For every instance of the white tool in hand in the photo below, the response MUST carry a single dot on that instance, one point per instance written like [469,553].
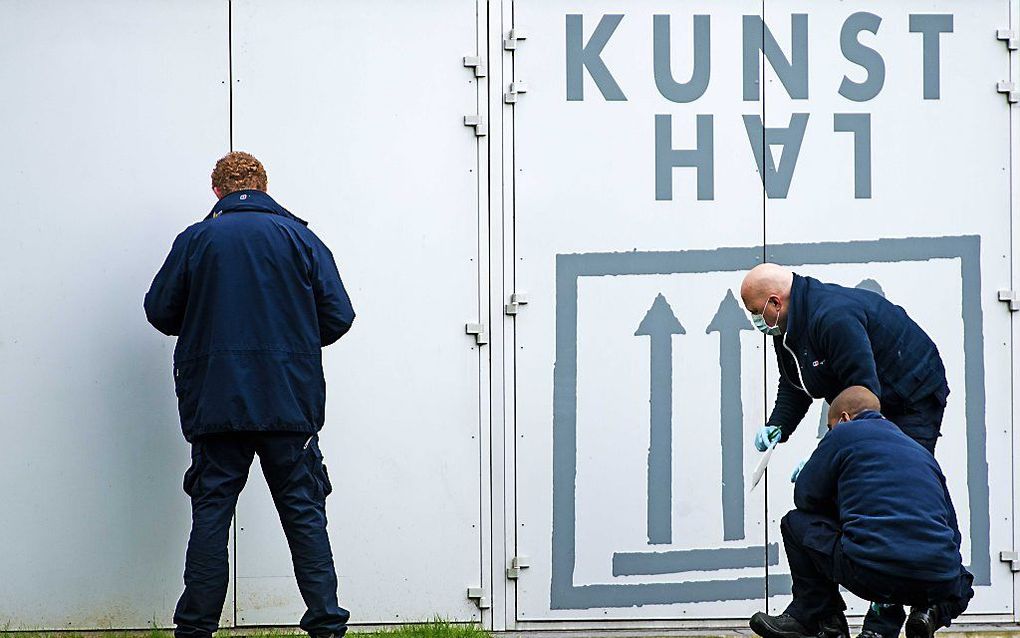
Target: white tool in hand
[762,464]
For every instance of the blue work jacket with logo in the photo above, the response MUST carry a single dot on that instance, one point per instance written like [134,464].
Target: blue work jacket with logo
[254,296]
[839,337]
[889,496]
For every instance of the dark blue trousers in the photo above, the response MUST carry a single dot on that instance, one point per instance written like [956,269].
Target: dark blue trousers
[818,567]
[297,478]
[921,420]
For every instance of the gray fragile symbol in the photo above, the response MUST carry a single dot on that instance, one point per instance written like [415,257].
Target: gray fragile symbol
[565,593]
[729,321]
[660,324]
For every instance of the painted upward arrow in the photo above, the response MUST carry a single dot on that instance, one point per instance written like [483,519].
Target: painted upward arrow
[729,321]
[660,324]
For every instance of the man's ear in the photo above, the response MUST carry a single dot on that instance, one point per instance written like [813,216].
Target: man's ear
[216,191]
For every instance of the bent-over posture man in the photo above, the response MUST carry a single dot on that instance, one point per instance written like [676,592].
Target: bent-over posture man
[873,515]
[254,296]
[828,338]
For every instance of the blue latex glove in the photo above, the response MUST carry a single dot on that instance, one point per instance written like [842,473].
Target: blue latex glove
[764,438]
[796,471]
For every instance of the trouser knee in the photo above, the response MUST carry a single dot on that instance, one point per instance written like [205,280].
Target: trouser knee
[791,526]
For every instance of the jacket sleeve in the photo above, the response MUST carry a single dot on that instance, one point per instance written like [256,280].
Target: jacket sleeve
[951,516]
[791,406]
[815,490]
[166,301]
[332,305]
[844,340]
[792,403]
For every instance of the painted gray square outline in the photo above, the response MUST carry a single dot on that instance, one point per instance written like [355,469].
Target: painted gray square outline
[570,267]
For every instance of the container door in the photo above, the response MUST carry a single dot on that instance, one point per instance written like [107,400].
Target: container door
[357,110]
[891,171]
[637,208]
[112,117]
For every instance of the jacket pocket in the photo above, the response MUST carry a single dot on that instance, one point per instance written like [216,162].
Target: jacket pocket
[188,379]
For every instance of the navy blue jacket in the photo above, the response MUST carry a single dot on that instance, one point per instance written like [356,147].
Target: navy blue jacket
[839,337]
[254,296]
[889,496]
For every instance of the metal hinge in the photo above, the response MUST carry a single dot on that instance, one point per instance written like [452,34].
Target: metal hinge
[477,594]
[1013,559]
[517,300]
[513,39]
[516,565]
[516,88]
[1009,90]
[1009,37]
[476,63]
[478,122]
[1010,297]
[479,331]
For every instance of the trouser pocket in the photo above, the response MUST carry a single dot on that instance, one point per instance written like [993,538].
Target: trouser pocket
[318,468]
[191,476]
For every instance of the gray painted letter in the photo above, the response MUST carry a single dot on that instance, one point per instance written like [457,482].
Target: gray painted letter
[863,56]
[666,158]
[668,87]
[860,125]
[930,25]
[777,181]
[793,73]
[589,56]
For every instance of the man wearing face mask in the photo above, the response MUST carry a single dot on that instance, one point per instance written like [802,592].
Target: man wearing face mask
[828,338]
[855,525]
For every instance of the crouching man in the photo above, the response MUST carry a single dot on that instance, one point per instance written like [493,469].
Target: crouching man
[873,515]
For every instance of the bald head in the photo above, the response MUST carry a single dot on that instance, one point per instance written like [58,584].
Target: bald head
[851,402]
[766,291]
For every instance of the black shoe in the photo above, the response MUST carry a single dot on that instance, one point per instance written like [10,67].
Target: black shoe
[922,622]
[834,626]
[783,626]
[867,633]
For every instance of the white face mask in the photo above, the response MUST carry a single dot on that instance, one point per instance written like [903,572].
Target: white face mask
[763,326]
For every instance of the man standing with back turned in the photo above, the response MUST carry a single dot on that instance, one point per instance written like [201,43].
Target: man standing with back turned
[254,296]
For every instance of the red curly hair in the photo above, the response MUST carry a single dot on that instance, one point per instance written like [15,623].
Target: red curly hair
[238,171]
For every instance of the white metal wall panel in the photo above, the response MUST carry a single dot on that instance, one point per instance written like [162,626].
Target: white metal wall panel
[930,227]
[118,109]
[112,116]
[632,316]
[357,109]
[1014,114]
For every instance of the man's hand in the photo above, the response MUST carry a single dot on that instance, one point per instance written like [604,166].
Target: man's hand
[766,436]
[796,471]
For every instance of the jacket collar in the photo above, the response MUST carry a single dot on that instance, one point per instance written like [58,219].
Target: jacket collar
[250,201]
[796,316]
[868,414]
